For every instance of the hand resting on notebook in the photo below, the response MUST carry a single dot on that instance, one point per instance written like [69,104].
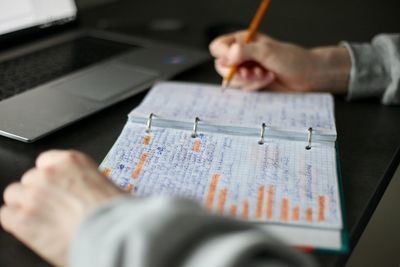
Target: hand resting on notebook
[46,207]
[48,211]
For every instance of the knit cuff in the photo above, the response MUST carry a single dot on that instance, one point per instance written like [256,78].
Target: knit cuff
[368,77]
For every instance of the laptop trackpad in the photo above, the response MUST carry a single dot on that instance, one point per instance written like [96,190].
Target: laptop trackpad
[103,82]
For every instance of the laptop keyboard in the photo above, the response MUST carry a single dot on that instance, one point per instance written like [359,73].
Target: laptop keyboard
[23,73]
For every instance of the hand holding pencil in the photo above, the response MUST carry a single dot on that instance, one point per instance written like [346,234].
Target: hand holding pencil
[254,61]
[252,31]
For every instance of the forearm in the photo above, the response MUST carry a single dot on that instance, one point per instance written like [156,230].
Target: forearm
[173,232]
[331,69]
[361,70]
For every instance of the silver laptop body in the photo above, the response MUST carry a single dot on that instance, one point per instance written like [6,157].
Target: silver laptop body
[47,107]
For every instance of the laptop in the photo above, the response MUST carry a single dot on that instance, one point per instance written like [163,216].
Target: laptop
[53,73]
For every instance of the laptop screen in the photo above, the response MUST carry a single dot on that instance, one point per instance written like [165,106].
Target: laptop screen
[17,15]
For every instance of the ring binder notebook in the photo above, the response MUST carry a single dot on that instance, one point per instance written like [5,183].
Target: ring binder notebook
[308,147]
[249,162]
[263,126]
[195,125]
[149,123]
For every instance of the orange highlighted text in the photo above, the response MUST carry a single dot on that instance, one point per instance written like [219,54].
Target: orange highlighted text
[140,165]
[107,172]
[211,192]
[270,202]
[222,200]
[197,145]
[260,202]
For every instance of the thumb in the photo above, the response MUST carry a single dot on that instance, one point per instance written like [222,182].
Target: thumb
[258,52]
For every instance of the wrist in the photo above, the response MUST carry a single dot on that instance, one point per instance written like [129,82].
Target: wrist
[331,69]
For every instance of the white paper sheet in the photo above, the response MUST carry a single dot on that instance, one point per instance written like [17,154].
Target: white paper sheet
[280,111]
[279,181]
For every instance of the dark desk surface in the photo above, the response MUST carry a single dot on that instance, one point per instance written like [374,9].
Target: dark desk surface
[368,133]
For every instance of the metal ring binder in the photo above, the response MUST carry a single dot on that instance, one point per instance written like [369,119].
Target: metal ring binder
[263,126]
[195,125]
[149,122]
[308,147]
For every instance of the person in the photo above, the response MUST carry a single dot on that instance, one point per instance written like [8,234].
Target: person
[71,215]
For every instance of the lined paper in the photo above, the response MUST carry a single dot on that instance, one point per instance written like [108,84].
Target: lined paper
[279,182]
[290,112]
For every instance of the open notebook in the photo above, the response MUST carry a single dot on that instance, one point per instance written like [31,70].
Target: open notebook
[268,158]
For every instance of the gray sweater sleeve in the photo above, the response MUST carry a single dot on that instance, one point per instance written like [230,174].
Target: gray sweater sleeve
[376,69]
[162,232]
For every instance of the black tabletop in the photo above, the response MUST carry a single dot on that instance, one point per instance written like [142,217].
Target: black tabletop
[368,132]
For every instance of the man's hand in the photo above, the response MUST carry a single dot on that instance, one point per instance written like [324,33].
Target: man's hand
[46,207]
[266,63]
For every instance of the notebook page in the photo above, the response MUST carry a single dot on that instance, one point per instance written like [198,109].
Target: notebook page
[278,182]
[290,112]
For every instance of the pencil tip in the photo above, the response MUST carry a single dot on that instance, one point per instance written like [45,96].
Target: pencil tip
[225,84]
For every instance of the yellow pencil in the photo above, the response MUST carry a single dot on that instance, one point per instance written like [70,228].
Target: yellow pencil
[251,32]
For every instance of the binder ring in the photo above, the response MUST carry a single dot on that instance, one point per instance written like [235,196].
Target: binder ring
[195,125]
[308,147]
[149,122]
[263,126]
